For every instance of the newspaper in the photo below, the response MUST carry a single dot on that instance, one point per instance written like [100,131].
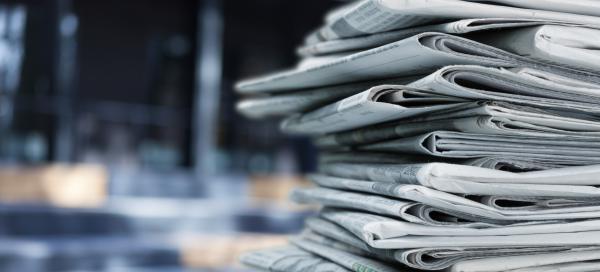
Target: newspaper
[333,231]
[375,16]
[385,233]
[517,203]
[476,117]
[586,7]
[587,266]
[470,180]
[314,47]
[515,164]
[442,258]
[510,85]
[376,105]
[493,209]
[529,262]
[310,235]
[448,85]
[323,231]
[343,258]
[288,259]
[306,100]
[560,149]
[497,163]
[417,55]
[570,46]
[409,211]
[381,228]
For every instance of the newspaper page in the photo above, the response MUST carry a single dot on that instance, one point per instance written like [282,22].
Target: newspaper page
[492,125]
[315,47]
[405,210]
[449,144]
[289,259]
[486,83]
[417,55]
[469,180]
[511,263]
[306,100]
[586,7]
[385,233]
[435,258]
[312,236]
[514,165]
[575,47]
[412,173]
[476,117]
[443,258]
[350,261]
[376,105]
[387,228]
[436,92]
[333,231]
[524,203]
[586,266]
[420,54]
[485,208]
[375,16]
[339,155]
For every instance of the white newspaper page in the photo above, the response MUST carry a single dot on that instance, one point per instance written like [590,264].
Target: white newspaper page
[331,230]
[469,180]
[417,55]
[306,100]
[449,85]
[368,228]
[443,258]
[449,144]
[550,208]
[388,228]
[465,26]
[309,235]
[517,125]
[435,258]
[586,7]
[289,259]
[586,266]
[485,83]
[375,16]
[376,105]
[405,210]
[527,261]
[340,155]
[576,47]
[350,261]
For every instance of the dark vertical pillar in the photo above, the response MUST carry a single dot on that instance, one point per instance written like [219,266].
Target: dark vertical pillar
[207,91]
[64,79]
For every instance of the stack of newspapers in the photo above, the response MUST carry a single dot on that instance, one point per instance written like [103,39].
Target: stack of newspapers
[455,135]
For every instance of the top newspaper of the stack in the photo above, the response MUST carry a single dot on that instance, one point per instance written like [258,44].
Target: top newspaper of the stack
[375,16]
[422,53]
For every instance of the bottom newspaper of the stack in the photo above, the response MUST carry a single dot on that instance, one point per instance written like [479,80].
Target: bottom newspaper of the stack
[440,216]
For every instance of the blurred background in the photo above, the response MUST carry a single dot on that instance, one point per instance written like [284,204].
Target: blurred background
[120,147]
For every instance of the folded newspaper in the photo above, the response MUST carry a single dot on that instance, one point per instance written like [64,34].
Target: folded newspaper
[376,16]
[444,90]
[460,27]
[456,135]
[495,118]
[415,55]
